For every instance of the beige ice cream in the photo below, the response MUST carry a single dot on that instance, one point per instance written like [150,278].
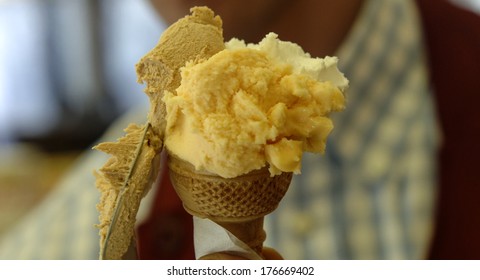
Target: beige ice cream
[129,173]
[192,38]
[250,106]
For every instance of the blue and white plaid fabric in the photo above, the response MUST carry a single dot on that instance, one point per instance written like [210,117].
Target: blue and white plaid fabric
[62,226]
[369,197]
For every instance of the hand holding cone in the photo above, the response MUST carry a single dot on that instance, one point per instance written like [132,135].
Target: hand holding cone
[237,204]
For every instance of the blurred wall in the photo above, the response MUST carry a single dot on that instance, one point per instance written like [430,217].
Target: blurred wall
[67,67]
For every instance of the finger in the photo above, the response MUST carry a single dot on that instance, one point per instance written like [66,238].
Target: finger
[221,256]
[271,254]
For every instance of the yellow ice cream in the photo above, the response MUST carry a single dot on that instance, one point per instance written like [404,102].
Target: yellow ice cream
[252,105]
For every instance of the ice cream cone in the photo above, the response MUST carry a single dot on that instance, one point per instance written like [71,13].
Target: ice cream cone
[238,204]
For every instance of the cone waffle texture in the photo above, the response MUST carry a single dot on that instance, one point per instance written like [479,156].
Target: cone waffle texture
[206,195]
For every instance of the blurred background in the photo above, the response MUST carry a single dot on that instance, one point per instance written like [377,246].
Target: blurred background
[67,70]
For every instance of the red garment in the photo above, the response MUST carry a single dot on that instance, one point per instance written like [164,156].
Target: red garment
[167,234]
[453,41]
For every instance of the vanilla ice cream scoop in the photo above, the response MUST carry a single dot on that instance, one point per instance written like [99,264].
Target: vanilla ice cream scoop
[254,105]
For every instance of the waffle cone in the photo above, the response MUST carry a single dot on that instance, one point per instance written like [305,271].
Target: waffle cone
[245,197]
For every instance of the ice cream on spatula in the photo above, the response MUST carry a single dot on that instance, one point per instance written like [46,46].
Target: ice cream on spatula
[235,120]
[128,175]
